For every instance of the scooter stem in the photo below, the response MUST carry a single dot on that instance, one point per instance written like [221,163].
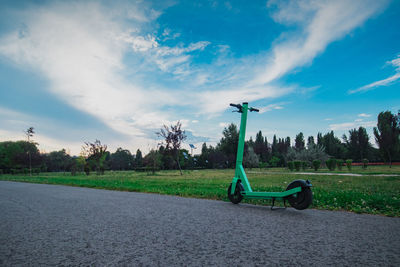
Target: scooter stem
[242,134]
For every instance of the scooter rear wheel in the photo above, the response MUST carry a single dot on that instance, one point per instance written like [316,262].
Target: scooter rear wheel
[236,197]
[300,200]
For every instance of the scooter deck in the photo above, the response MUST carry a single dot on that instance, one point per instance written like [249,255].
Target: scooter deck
[271,195]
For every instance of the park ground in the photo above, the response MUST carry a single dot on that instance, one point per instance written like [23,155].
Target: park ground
[375,190]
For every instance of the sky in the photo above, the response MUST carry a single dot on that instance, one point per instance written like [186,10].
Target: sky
[119,70]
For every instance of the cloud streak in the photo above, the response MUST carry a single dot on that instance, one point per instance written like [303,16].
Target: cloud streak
[385,82]
[320,23]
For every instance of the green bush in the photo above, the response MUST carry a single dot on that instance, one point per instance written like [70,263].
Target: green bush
[316,164]
[87,169]
[348,164]
[365,163]
[297,165]
[339,163]
[290,165]
[274,162]
[304,165]
[17,171]
[331,164]
[73,170]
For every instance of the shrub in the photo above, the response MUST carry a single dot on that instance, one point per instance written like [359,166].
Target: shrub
[304,165]
[297,165]
[87,169]
[263,165]
[365,163]
[316,164]
[311,153]
[290,165]
[73,170]
[331,164]
[348,164]
[274,161]
[339,163]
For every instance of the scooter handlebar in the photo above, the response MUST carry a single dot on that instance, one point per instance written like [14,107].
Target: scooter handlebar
[236,105]
[240,107]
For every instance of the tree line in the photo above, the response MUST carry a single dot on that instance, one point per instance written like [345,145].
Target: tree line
[24,156]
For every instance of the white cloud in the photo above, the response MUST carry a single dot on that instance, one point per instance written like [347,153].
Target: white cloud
[351,125]
[321,22]
[385,82]
[80,51]
[223,124]
[272,107]
[318,24]
[364,115]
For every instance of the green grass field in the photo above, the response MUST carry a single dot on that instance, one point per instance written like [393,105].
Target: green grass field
[362,194]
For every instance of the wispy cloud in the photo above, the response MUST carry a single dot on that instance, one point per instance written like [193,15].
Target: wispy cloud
[351,125]
[385,82]
[272,107]
[320,23]
[364,115]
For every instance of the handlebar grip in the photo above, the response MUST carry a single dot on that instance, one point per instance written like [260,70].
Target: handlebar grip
[254,109]
[238,106]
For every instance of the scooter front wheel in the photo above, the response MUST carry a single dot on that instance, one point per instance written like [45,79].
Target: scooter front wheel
[302,199]
[236,197]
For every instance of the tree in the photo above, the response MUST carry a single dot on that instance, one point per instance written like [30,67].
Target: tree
[96,155]
[333,146]
[261,147]
[203,160]
[138,159]
[80,163]
[229,143]
[299,142]
[310,141]
[387,135]
[57,161]
[314,152]
[357,143]
[121,159]
[173,138]
[274,146]
[251,159]
[29,133]
[153,160]
[319,139]
[14,156]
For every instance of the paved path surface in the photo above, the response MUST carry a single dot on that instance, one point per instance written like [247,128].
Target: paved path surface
[60,225]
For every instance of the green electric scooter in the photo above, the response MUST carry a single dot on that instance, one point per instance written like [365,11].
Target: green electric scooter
[298,193]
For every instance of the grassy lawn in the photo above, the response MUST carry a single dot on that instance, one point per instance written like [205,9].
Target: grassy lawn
[365,194]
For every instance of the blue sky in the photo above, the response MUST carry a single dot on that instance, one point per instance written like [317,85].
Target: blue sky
[118,70]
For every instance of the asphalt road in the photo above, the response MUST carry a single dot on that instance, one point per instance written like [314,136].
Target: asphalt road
[60,225]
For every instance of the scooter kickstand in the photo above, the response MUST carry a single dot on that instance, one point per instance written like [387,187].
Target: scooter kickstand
[273,203]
